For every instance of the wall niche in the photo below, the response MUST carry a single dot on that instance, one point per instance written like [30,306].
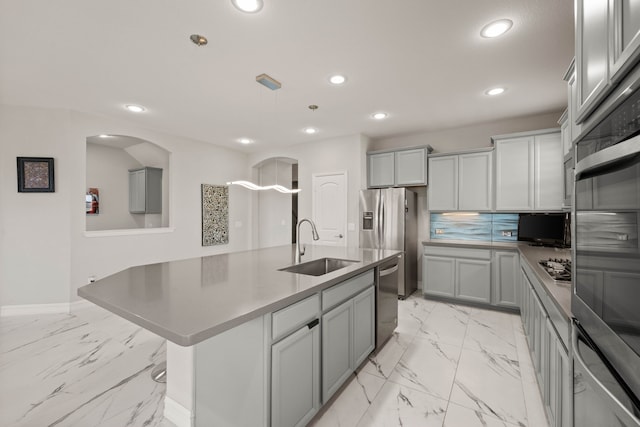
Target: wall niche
[107,199]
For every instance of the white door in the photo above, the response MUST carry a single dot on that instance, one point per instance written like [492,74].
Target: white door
[330,208]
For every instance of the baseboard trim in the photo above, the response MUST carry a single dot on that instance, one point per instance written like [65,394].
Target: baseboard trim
[31,309]
[177,414]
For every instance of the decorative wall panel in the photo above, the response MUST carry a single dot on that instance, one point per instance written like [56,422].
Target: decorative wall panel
[215,215]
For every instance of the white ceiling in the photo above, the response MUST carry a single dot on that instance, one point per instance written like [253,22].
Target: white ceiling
[422,61]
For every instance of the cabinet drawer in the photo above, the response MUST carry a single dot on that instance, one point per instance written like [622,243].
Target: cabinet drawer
[290,318]
[458,252]
[340,292]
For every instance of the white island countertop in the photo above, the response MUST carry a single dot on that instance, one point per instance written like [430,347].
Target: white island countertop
[190,300]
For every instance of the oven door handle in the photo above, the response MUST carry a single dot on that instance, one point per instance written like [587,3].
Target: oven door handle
[621,411]
[616,157]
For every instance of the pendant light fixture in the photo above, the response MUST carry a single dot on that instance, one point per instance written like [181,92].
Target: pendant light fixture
[255,187]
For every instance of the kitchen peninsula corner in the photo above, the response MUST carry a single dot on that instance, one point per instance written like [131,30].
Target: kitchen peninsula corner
[234,321]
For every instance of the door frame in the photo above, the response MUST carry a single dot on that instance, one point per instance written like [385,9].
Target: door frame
[314,178]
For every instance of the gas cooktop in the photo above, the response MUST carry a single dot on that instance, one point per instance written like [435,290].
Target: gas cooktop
[557,268]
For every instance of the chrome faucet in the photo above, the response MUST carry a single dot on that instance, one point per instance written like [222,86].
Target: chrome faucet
[314,233]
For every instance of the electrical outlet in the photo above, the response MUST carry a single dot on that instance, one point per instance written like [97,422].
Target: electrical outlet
[439,231]
[507,234]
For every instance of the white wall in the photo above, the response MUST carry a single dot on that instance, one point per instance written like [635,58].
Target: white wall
[274,208]
[468,137]
[331,155]
[108,171]
[45,253]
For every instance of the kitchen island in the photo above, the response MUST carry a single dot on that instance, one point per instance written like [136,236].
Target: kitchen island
[227,319]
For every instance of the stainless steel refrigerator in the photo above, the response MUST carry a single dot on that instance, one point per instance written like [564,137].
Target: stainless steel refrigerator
[389,220]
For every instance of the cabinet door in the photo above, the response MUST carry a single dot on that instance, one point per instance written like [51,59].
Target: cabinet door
[565,135]
[438,275]
[364,328]
[443,183]
[295,378]
[473,280]
[381,169]
[551,375]
[548,172]
[514,174]
[506,279]
[592,54]
[411,167]
[576,128]
[137,191]
[337,353]
[568,182]
[475,182]
[625,26]
[564,416]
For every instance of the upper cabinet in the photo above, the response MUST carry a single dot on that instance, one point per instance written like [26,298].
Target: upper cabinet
[607,45]
[145,190]
[529,172]
[397,168]
[461,182]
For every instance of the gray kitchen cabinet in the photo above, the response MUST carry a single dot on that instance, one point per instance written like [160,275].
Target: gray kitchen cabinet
[348,330]
[607,46]
[458,273]
[475,181]
[411,167]
[295,377]
[592,54]
[529,169]
[569,177]
[337,351]
[381,169]
[625,33]
[548,173]
[442,193]
[438,275]
[473,280]
[506,279]
[407,167]
[145,190]
[364,331]
[548,351]
[461,182]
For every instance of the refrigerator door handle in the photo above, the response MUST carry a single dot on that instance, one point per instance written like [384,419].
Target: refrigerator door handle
[382,222]
[388,271]
[614,404]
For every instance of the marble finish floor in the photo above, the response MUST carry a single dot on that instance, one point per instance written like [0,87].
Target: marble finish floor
[446,365]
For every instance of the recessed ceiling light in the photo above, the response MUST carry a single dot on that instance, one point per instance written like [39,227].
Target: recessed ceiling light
[245,140]
[337,79]
[310,131]
[135,108]
[495,91]
[379,116]
[496,28]
[249,6]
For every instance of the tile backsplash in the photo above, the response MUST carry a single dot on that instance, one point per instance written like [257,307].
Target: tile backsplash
[488,227]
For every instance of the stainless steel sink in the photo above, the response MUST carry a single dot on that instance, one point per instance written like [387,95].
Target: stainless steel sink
[319,267]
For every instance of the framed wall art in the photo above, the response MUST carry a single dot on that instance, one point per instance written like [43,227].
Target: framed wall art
[35,175]
[215,215]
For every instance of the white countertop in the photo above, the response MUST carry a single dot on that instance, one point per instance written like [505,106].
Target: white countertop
[191,300]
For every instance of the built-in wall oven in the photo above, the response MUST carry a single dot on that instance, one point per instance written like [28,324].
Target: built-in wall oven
[606,266]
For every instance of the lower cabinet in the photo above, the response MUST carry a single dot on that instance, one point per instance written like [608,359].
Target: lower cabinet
[348,337]
[295,377]
[506,279]
[457,272]
[549,355]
